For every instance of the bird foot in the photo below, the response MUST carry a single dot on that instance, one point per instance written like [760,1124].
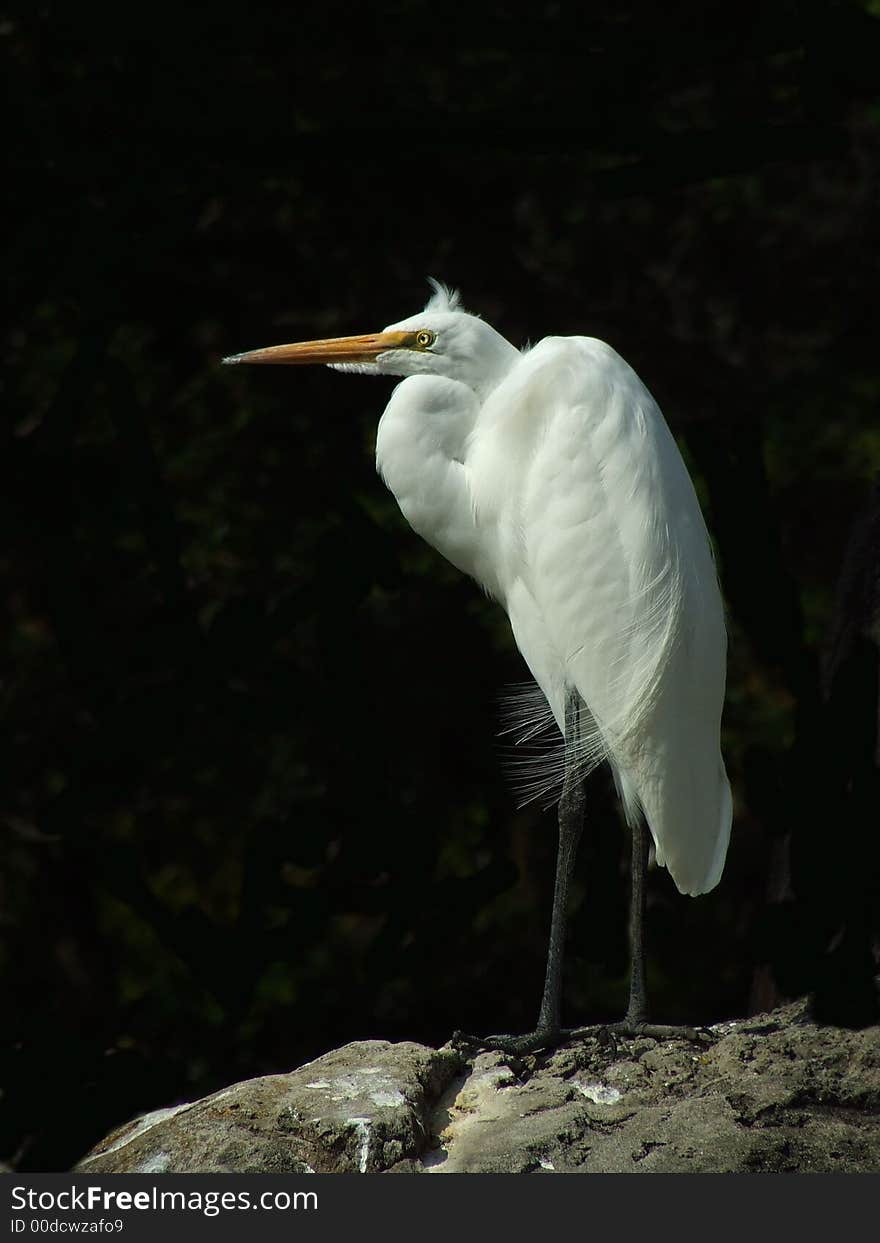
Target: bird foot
[633,1028]
[549,1038]
[531,1042]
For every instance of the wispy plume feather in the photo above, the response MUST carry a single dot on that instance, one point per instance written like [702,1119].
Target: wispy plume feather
[536,763]
[443,298]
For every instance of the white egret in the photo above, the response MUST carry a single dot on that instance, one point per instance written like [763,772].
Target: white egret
[550,476]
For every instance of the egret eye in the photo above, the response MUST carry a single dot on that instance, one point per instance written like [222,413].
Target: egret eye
[425,339]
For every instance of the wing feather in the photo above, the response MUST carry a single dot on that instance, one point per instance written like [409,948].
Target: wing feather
[611,587]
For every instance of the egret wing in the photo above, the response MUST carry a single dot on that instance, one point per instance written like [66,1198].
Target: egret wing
[612,589]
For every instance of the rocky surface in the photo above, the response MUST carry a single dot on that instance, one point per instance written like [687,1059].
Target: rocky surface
[770,1094]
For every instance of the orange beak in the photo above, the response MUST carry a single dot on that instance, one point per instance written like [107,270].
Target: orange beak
[329,350]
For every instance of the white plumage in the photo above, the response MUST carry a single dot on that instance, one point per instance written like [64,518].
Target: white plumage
[551,477]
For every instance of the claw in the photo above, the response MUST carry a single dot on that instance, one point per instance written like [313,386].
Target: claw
[531,1042]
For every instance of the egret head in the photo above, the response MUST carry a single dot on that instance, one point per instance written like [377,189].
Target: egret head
[441,340]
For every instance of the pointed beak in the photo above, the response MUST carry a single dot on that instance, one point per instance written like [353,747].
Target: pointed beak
[328,350]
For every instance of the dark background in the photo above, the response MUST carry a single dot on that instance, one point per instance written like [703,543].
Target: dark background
[254,799]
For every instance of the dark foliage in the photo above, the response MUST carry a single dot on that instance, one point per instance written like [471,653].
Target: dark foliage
[253,805]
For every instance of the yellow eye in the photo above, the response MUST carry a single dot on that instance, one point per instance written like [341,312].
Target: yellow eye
[425,339]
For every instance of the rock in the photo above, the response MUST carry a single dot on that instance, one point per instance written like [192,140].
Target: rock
[359,1109]
[771,1094]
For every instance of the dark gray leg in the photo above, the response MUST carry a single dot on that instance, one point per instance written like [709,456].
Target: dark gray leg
[635,1023]
[571,824]
[637,1010]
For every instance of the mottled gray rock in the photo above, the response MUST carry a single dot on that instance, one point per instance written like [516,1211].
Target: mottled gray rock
[361,1108]
[770,1094]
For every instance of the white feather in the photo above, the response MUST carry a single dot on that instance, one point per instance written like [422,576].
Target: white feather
[552,478]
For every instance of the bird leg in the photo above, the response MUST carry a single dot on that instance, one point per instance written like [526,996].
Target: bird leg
[571,826]
[635,1022]
[637,1009]
[548,1031]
